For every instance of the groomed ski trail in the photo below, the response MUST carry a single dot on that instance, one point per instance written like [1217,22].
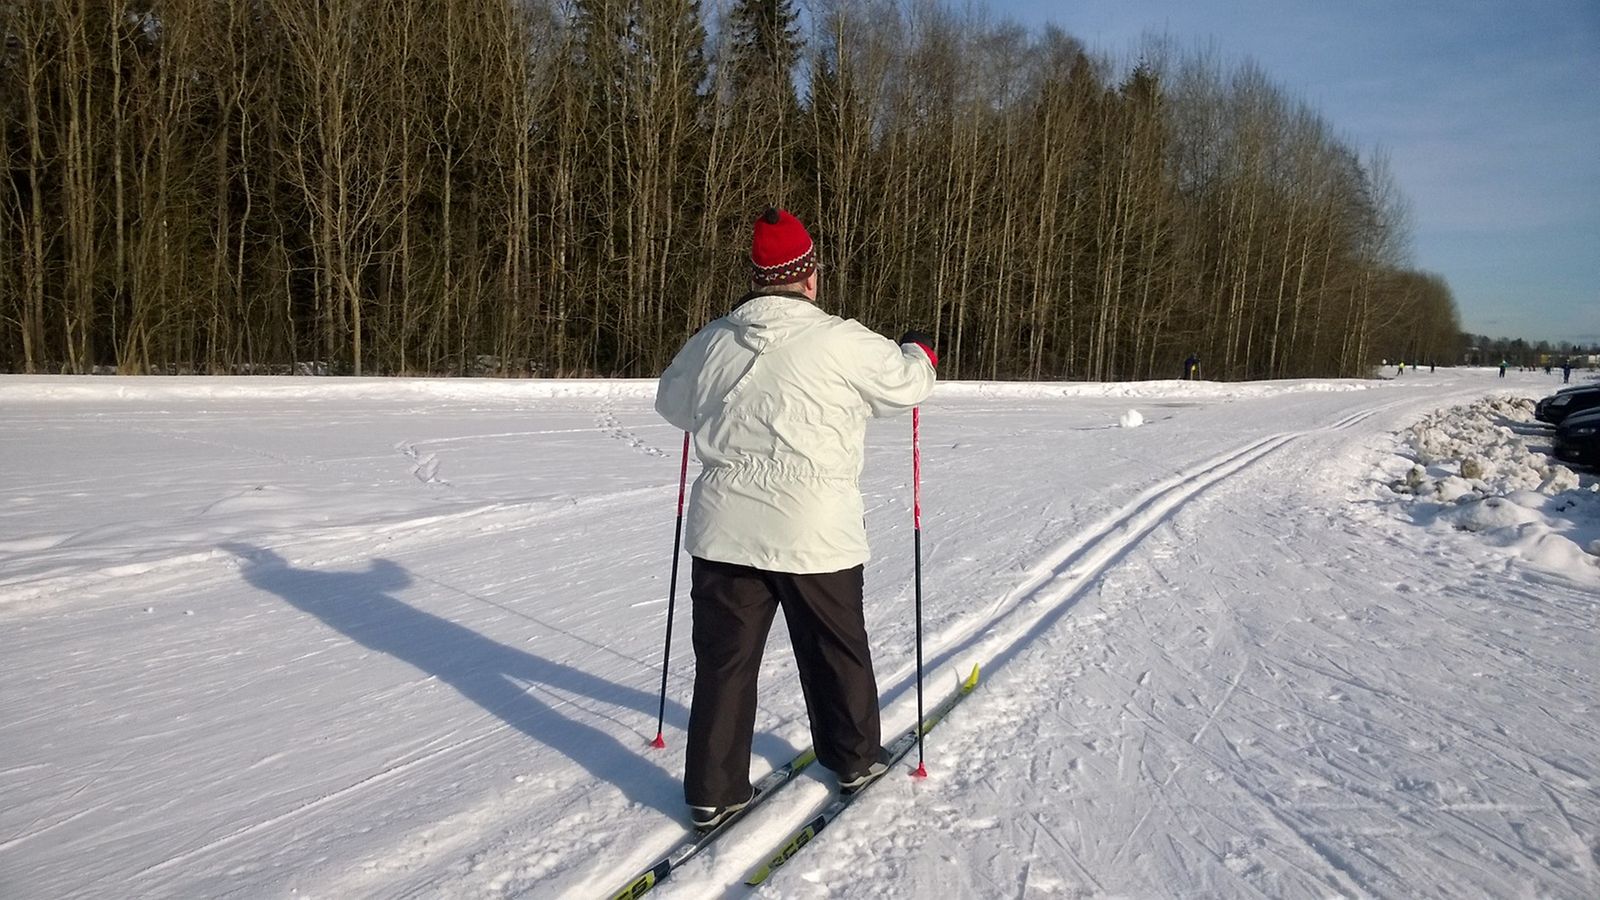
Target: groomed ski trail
[1055,581]
[1179,675]
[1050,589]
[1227,720]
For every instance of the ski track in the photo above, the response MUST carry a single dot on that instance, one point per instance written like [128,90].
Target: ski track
[1246,785]
[1053,585]
[1056,580]
[1022,618]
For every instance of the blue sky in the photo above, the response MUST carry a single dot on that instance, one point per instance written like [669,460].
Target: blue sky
[1489,111]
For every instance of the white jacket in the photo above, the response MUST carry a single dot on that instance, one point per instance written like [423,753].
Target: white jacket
[777,394]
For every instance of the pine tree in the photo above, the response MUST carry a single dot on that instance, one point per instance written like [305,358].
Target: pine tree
[765,41]
[763,48]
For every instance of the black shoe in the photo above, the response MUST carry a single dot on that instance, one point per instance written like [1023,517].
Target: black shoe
[705,818]
[855,781]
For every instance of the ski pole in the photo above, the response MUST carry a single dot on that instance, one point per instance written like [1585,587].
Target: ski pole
[672,593]
[916,544]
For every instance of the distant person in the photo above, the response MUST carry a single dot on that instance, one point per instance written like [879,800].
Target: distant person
[1566,371]
[1191,368]
[1502,368]
[1430,368]
[1401,368]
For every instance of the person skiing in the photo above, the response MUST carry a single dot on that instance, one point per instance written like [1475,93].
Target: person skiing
[1502,368]
[1191,368]
[776,395]
[1566,371]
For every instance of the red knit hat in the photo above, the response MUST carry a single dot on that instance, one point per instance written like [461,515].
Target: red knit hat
[781,251]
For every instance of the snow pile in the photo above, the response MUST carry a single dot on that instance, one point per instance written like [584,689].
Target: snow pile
[1483,469]
[1132,419]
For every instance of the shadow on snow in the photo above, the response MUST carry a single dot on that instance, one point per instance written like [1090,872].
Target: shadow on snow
[505,681]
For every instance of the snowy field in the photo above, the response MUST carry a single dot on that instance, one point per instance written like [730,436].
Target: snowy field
[323,638]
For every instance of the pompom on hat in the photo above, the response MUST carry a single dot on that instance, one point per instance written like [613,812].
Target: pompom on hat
[781,251]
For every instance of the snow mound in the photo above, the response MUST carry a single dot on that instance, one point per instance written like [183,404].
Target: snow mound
[1482,469]
[1491,515]
[1132,419]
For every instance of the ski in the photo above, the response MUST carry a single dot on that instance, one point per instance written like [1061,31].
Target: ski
[894,753]
[694,843]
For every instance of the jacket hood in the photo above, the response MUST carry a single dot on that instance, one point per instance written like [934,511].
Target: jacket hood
[763,321]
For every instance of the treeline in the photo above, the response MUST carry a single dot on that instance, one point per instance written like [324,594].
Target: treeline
[537,187]
[1480,349]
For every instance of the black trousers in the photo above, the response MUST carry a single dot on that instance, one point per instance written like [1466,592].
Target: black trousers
[733,611]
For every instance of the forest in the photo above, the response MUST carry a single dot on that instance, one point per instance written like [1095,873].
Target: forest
[565,188]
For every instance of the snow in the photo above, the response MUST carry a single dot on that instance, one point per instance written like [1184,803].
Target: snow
[1486,468]
[274,637]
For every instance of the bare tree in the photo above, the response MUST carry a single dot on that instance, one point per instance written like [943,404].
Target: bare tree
[566,188]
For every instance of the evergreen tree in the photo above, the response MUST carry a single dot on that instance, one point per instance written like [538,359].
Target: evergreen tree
[765,42]
[763,47]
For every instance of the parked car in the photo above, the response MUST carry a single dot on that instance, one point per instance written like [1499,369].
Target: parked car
[1578,438]
[1539,408]
[1558,406]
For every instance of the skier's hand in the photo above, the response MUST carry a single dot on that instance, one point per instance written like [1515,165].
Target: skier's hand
[921,339]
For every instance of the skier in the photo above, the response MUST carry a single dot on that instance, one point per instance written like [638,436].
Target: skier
[1400,369]
[1502,368]
[1191,368]
[1566,371]
[776,395]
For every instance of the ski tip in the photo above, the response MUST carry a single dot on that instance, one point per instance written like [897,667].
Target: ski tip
[972,680]
[921,771]
[660,742]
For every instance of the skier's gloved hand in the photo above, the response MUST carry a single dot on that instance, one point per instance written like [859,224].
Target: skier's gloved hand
[921,339]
